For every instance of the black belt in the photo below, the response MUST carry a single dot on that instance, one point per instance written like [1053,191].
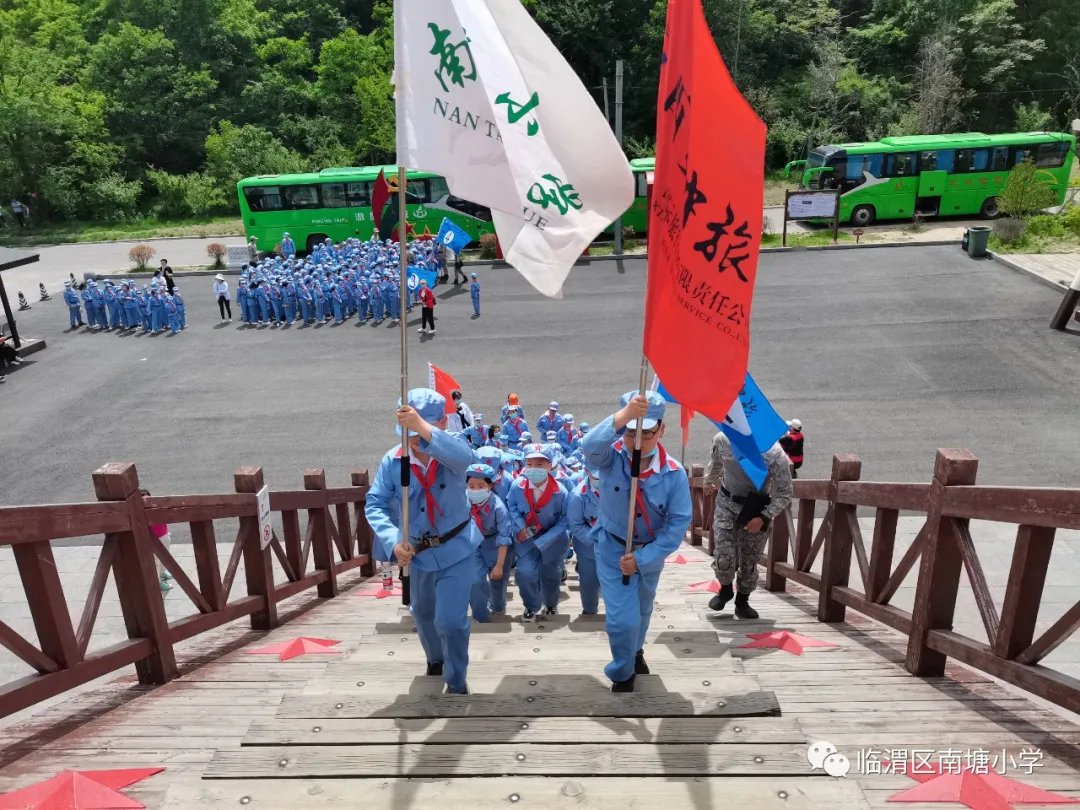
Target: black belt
[433,541]
[733,498]
[622,542]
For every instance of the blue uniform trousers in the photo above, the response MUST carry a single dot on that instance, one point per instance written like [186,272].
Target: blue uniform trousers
[264,310]
[537,578]
[393,306]
[290,312]
[338,317]
[440,608]
[134,317]
[305,310]
[174,322]
[476,304]
[74,316]
[320,309]
[181,313]
[363,310]
[276,303]
[627,608]
[490,594]
[588,584]
[377,307]
[157,318]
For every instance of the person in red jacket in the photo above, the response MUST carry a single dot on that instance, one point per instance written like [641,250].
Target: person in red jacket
[427,309]
[793,445]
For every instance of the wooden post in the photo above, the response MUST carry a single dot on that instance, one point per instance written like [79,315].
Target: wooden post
[1023,595]
[778,552]
[881,552]
[804,533]
[940,566]
[204,544]
[258,564]
[322,551]
[836,560]
[48,607]
[136,574]
[364,537]
[697,503]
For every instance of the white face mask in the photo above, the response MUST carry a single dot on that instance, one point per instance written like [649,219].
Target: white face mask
[536,475]
[477,497]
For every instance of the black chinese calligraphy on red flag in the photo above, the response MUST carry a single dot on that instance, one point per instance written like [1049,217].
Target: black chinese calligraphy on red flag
[705,220]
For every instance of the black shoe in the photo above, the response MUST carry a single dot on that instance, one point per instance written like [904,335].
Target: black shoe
[742,607]
[434,669]
[722,598]
[549,611]
[623,686]
[640,667]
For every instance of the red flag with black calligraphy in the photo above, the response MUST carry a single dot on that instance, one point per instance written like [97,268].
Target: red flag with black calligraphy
[705,220]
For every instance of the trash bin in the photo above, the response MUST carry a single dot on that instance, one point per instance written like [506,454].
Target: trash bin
[978,237]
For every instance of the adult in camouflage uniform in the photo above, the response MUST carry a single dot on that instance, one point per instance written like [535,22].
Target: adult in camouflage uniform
[736,549]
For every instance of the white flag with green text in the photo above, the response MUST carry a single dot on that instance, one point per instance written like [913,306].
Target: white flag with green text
[485,99]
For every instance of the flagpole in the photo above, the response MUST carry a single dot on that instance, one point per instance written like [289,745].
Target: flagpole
[635,468]
[403,260]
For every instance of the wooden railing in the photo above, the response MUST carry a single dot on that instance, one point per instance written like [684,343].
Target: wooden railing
[336,539]
[944,549]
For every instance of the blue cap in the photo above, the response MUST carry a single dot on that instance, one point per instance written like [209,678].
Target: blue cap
[492,456]
[480,471]
[540,451]
[550,436]
[431,405]
[655,413]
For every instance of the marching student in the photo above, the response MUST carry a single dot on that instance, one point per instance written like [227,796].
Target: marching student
[537,506]
[474,293]
[442,542]
[493,522]
[662,517]
[582,510]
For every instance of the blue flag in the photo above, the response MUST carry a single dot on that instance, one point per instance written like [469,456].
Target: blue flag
[752,426]
[414,275]
[453,236]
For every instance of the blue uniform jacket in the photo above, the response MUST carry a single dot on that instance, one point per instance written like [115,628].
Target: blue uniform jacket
[666,495]
[582,511]
[551,539]
[384,500]
[513,428]
[568,440]
[546,423]
[474,290]
[494,527]
[71,297]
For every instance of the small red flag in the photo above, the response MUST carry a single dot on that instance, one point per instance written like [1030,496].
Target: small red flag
[439,380]
[705,220]
[380,193]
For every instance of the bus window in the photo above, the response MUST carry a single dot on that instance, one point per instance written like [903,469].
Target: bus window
[641,184]
[902,165]
[1051,155]
[980,160]
[438,188]
[416,191]
[946,159]
[333,195]
[999,159]
[469,208]
[358,194]
[928,162]
[301,197]
[859,165]
[1020,154]
[263,198]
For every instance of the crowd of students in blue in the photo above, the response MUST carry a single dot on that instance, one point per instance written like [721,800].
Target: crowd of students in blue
[126,306]
[532,502]
[336,282]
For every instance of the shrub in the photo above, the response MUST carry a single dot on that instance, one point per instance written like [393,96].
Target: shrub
[1046,225]
[1009,230]
[487,246]
[141,255]
[216,251]
[1071,218]
[1025,192]
[186,195]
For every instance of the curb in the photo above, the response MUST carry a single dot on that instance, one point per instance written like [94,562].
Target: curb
[1019,268]
[30,346]
[118,241]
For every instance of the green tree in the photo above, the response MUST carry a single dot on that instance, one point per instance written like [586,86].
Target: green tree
[1025,192]
[233,153]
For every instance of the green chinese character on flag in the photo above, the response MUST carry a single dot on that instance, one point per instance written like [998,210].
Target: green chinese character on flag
[516,111]
[450,63]
[561,195]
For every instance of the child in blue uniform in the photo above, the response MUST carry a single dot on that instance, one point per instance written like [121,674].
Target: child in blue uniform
[442,543]
[582,510]
[474,292]
[537,506]
[493,522]
[663,516]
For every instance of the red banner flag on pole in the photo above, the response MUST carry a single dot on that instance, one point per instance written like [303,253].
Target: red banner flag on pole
[704,221]
[439,380]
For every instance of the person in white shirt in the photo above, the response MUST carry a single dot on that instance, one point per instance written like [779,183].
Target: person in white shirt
[221,290]
[462,417]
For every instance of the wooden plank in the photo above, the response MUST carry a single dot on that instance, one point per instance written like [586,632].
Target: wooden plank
[192,508]
[1053,638]
[882,495]
[26,651]
[885,595]
[600,703]
[1023,593]
[294,762]
[1030,506]
[98,581]
[536,683]
[595,793]
[33,524]
[485,730]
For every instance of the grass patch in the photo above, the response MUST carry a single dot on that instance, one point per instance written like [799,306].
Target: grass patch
[777,184]
[797,240]
[149,228]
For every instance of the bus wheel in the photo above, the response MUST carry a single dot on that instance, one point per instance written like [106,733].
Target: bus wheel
[863,215]
[990,208]
[314,240]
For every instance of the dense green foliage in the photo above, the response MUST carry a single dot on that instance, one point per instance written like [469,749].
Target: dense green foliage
[113,109]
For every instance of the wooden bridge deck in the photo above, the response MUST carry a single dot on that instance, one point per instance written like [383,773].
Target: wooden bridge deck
[715,726]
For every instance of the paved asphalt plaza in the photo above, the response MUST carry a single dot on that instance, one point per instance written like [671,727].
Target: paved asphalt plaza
[889,353]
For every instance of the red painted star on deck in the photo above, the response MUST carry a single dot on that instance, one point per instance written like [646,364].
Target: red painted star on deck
[708,586]
[784,640]
[79,790]
[301,645]
[379,592]
[679,559]
[979,791]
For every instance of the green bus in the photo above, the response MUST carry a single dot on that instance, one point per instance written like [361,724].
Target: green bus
[336,204]
[932,175]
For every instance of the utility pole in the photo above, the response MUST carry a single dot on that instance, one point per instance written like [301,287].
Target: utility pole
[618,137]
[607,109]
